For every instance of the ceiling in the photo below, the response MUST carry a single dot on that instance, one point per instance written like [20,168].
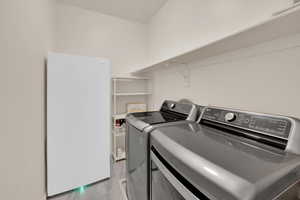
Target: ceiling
[136,10]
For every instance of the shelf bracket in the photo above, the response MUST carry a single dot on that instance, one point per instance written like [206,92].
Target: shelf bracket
[184,70]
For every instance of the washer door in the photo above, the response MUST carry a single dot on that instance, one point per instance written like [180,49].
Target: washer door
[167,183]
[161,187]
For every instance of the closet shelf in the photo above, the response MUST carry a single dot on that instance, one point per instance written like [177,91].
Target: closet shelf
[118,158]
[129,78]
[132,94]
[117,134]
[120,116]
[284,24]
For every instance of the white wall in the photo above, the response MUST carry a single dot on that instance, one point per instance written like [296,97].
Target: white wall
[85,32]
[28,31]
[25,37]
[180,26]
[262,78]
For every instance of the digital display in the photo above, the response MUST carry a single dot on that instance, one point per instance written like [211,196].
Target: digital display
[269,125]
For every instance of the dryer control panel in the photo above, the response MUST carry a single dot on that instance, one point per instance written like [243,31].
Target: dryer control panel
[270,125]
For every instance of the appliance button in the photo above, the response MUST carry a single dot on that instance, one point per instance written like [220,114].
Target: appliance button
[246,121]
[229,117]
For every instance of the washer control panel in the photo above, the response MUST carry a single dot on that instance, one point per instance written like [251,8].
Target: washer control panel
[229,117]
[266,124]
[180,108]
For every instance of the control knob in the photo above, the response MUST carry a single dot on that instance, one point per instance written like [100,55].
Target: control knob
[172,105]
[229,117]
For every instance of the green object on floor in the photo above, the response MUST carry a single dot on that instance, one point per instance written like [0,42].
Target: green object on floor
[81,189]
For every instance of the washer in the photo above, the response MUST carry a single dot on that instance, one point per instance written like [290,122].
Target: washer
[228,154]
[138,127]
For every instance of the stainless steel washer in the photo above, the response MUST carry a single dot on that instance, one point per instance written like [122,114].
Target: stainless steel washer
[139,125]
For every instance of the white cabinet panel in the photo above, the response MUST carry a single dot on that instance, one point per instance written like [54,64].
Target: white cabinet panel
[78,121]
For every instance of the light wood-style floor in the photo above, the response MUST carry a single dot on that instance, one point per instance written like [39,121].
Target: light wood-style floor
[105,190]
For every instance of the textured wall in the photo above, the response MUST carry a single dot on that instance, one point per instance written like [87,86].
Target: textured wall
[25,39]
[263,78]
[84,32]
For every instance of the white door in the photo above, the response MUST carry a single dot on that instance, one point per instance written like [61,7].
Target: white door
[78,121]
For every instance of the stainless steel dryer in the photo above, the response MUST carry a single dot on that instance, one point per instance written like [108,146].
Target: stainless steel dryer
[229,154]
[139,125]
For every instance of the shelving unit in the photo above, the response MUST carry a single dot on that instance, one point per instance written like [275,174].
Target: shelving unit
[118,133]
[126,77]
[126,89]
[132,94]
[120,116]
[280,25]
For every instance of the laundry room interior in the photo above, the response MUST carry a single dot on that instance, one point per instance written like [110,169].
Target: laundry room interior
[150,100]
